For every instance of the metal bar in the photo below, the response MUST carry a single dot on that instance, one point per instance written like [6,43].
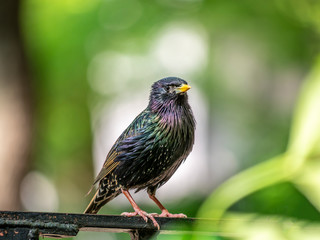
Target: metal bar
[19,234]
[66,225]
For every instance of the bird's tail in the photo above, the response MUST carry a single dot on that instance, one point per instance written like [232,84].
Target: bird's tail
[103,195]
[93,206]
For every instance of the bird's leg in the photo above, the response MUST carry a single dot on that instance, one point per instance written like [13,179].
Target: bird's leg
[164,211]
[137,210]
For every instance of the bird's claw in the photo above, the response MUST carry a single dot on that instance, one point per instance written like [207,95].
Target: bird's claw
[132,214]
[144,215]
[165,213]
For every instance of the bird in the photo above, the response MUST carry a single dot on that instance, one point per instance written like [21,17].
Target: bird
[149,151]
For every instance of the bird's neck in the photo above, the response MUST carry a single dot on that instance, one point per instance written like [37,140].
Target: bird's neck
[172,113]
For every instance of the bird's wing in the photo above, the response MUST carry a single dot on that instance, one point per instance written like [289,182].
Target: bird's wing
[134,129]
[108,165]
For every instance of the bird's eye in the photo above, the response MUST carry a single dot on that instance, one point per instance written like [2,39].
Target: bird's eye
[168,88]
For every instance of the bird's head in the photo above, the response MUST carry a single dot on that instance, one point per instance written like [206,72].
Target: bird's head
[168,90]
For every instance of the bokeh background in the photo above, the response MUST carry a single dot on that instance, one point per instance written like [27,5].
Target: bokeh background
[74,74]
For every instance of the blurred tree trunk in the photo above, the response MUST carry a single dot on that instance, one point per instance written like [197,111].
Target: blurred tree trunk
[15,107]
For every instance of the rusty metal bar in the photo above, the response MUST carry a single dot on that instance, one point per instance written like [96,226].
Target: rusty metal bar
[31,225]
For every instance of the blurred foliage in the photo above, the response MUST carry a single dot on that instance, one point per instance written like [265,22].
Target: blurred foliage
[274,42]
[299,165]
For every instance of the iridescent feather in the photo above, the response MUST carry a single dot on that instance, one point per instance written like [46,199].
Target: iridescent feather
[153,146]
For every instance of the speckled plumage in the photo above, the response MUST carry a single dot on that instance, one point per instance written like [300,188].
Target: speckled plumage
[153,146]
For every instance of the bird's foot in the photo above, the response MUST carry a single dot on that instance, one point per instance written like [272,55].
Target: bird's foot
[144,215]
[165,213]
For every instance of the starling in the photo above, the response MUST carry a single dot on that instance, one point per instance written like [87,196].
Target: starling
[150,150]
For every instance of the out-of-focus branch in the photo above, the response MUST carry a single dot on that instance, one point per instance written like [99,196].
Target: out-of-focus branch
[15,106]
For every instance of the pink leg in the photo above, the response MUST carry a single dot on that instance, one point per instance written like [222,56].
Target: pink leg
[164,211]
[137,210]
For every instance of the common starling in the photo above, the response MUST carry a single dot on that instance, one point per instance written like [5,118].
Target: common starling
[150,150]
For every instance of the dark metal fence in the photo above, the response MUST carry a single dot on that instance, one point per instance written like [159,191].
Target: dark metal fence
[31,225]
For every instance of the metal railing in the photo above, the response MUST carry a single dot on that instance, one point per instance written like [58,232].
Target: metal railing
[31,225]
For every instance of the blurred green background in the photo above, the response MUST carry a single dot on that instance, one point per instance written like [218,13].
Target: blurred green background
[73,75]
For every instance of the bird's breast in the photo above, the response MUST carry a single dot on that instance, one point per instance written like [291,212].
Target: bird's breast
[155,155]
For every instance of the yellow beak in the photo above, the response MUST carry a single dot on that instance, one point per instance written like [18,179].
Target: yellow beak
[183,88]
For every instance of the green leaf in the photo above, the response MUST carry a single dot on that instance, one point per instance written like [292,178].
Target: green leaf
[305,132]
[243,184]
